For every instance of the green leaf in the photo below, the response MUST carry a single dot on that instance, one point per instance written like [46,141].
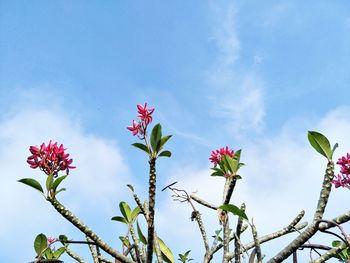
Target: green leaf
[165,153]
[139,232]
[334,148]
[141,146]
[40,244]
[58,252]
[120,219]
[48,254]
[336,243]
[57,182]
[62,238]
[156,136]
[234,210]
[236,158]
[217,172]
[320,143]
[135,213]
[166,252]
[125,241]
[164,140]
[230,163]
[61,190]
[186,253]
[130,187]
[33,183]
[49,182]
[125,210]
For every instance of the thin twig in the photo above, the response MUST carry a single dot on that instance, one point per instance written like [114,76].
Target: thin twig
[195,213]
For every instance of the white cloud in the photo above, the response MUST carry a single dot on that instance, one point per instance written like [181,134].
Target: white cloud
[95,185]
[235,95]
[283,176]
[225,32]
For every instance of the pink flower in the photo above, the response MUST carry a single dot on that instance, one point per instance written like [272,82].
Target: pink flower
[345,164]
[135,128]
[145,114]
[343,179]
[217,155]
[51,240]
[145,118]
[51,158]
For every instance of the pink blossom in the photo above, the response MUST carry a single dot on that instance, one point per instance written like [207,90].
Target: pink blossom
[345,164]
[145,118]
[217,155]
[343,179]
[135,128]
[51,240]
[145,114]
[50,158]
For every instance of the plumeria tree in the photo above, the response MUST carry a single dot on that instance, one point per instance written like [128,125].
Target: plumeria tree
[233,222]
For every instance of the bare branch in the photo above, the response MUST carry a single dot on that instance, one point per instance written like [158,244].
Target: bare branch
[203,202]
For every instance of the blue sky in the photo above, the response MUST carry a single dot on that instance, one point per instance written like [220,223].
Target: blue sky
[252,75]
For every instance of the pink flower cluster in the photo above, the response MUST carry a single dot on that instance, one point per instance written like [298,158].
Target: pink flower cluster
[50,158]
[343,179]
[217,155]
[145,117]
[51,240]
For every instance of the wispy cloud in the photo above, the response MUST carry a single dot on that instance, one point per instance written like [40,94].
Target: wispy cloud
[236,95]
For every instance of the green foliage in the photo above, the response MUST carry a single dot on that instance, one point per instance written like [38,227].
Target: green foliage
[166,252]
[321,144]
[43,250]
[140,234]
[119,219]
[130,187]
[141,146]
[343,255]
[32,183]
[125,210]
[49,182]
[128,216]
[59,252]
[57,182]
[234,210]
[125,241]
[156,137]
[165,153]
[228,165]
[40,244]
[184,257]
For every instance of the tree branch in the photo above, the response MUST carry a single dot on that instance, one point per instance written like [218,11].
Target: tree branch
[87,231]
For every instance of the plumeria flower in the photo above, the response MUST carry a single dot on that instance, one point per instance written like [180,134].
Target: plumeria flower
[145,117]
[344,162]
[343,179]
[217,155]
[50,158]
[51,240]
[135,128]
[145,114]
